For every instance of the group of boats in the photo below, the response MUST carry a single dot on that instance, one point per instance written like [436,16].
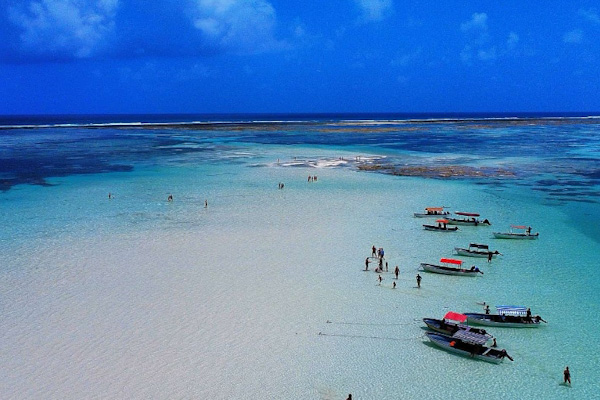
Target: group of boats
[447,223]
[450,266]
[453,335]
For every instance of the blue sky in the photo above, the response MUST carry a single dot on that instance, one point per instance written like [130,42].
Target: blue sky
[280,56]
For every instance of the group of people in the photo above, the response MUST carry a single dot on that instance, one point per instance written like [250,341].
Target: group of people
[379,254]
[312,178]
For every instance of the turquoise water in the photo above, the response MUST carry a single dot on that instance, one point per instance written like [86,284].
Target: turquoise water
[262,293]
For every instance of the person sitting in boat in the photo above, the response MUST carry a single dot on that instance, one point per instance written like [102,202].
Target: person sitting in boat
[538,319]
[487,309]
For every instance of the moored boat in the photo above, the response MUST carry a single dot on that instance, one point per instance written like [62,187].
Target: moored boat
[442,226]
[448,270]
[476,250]
[508,317]
[452,323]
[467,219]
[517,232]
[468,344]
[432,212]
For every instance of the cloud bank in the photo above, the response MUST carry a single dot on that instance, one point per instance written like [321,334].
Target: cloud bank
[64,28]
[374,10]
[80,29]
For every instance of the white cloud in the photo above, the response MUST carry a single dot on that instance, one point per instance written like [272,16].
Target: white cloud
[476,34]
[64,28]
[590,15]
[241,25]
[478,22]
[375,10]
[574,36]
[512,41]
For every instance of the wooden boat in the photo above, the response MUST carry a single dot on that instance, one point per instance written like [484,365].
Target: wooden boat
[476,250]
[508,316]
[447,270]
[448,327]
[442,226]
[517,232]
[432,212]
[468,344]
[467,219]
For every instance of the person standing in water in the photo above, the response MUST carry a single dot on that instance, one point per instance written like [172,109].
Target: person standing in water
[567,375]
[367,264]
[397,271]
[418,281]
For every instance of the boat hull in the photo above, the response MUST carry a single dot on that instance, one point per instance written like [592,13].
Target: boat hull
[443,341]
[438,229]
[508,235]
[425,215]
[438,269]
[453,221]
[470,253]
[490,320]
[449,328]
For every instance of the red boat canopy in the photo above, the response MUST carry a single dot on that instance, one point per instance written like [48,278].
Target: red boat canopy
[466,214]
[434,208]
[518,226]
[455,316]
[443,221]
[451,261]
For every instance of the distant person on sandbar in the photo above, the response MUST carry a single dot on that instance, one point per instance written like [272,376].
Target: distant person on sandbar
[170,198]
[397,271]
[349,397]
[567,376]
[394,285]
[110,196]
[373,251]
[367,264]
[386,266]
[205,203]
[380,279]
[418,281]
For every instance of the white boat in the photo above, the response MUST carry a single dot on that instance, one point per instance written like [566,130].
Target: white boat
[468,344]
[476,250]
[517,232]
[448,270]
[508,316]
[433,212]
[442,226]
[467,219]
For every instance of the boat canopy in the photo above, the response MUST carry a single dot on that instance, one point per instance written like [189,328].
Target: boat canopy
[466,214]
[518,226]
[455,316]
[434,208]
[479,246]
[471,337]
[518,311]
[442,221]
[451,261]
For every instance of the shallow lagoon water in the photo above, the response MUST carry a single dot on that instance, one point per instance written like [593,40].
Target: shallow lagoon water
[262,294]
